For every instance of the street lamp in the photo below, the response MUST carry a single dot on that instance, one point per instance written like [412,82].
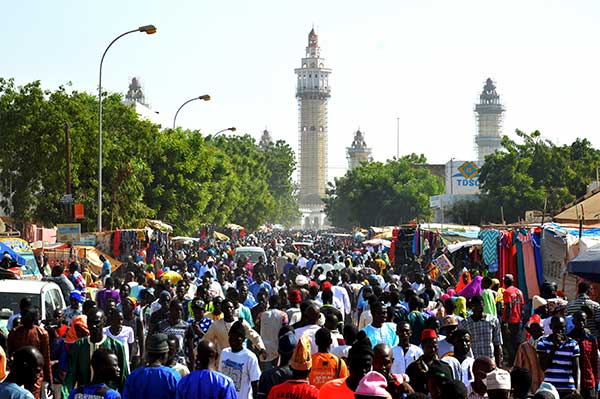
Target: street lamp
[205,97]
[231,129]
[148,29]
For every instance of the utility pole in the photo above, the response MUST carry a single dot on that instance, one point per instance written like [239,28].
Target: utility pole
[397,138]
[69,206]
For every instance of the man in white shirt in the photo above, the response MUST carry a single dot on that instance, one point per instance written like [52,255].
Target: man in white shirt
[240,364]
[310,325]
[404,353]
[460,361]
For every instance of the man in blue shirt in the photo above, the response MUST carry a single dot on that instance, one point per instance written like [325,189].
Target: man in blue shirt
[155,380]
[106,269]
[258,284]
[106,369]
[206,382]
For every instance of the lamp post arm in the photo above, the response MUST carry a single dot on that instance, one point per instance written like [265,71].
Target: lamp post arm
[183,105]
[100,127]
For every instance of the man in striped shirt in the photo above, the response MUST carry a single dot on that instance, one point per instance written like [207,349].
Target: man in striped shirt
[583,299]
[559,358]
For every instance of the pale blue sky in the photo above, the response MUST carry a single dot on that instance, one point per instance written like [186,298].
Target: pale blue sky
[424,61]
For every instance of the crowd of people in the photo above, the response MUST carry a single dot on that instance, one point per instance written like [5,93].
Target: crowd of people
[335,320]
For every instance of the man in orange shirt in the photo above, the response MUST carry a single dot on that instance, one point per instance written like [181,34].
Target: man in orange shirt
[325,366]
[360,360]
[298,387]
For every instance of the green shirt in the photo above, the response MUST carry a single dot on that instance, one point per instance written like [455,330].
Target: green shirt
[80,354]
[489,302]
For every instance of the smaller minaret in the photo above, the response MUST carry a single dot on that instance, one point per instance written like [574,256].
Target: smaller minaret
[358,152]
[265,139]
[489,112]
[135,93]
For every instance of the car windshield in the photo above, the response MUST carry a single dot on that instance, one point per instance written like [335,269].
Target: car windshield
[253,255]
[9,302]
[31,267]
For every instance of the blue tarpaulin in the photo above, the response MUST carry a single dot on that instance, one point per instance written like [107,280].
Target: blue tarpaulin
[574,232]
[15,256]
[587,264]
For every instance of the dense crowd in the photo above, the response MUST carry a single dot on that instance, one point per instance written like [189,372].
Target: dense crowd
[332,320]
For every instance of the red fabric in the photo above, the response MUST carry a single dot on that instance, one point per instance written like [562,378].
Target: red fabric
[512,259]
[117,243]
[428,334]
[589,361]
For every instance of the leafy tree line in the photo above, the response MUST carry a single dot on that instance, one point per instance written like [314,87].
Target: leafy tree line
[533,175]
[376,194]
[178,176]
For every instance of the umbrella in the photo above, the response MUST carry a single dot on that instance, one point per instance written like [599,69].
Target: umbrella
[586,264]
[220,236]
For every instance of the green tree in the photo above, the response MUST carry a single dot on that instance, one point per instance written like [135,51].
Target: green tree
[190,181]
[375,194]
[249,195]
[33,162]
[534,174]
[281,163]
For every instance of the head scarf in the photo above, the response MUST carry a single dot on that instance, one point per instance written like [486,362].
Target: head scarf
[461,307]
[72,333]
[461,284]
[472,289]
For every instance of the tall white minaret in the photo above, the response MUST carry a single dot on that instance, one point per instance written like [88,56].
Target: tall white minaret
[489,112]
[312,92]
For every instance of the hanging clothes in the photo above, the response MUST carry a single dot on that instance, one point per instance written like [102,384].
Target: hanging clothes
[519,237]
[536,240]
[116,250]
[490,248]
[531,279]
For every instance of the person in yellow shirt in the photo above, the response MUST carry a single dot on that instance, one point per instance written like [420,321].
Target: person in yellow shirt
[325,366]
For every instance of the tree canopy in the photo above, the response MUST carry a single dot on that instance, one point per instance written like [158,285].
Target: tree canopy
[178,176]
[535,174]
[375,193]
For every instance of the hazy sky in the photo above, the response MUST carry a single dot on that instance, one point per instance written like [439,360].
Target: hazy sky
[423,61]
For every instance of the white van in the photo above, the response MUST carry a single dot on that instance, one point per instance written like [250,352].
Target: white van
[253,253]
[45,296]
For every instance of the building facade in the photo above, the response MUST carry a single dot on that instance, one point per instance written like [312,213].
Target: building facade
[461,184]
[313,92]
[358,151]
[489,112]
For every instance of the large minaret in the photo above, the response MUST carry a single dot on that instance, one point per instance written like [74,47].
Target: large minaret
[489,121]
[312,92]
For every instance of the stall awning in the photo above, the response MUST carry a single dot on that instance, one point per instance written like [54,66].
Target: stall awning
[587,264]
[586,208]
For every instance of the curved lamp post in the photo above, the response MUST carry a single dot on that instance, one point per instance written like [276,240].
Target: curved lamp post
[205,97]
[148,29]
[231,129]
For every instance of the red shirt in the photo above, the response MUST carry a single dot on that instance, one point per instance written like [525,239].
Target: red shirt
[588,346]
[297,389]
[514,297]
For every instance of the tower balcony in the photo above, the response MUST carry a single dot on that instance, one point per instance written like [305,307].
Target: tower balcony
[306,92]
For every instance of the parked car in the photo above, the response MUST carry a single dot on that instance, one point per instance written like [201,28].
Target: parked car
[45,296]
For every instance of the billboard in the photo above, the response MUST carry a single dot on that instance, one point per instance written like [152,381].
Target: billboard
[462,177]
